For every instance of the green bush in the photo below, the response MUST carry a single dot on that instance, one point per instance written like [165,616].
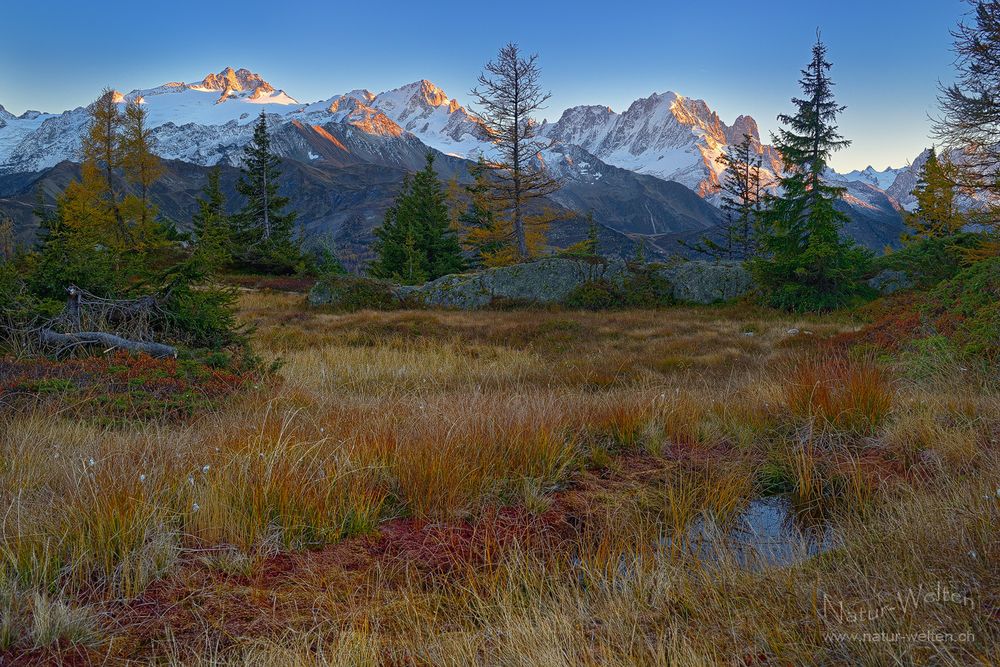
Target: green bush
[352,293]
[595,295]
[643,288]
[967,308]
[647,288]
[928,261]
[202,317]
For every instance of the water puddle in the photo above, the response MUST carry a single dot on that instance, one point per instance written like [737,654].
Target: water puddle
[767,532]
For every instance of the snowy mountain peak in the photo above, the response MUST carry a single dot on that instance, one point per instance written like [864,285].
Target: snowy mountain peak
[439,121]
[417,97]
[235,80]
[5,115]
[666,135]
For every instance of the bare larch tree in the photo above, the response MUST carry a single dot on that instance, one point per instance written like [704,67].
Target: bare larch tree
[509,92]
[970,107]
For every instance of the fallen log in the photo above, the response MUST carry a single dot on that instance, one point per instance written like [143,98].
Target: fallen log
[63,340]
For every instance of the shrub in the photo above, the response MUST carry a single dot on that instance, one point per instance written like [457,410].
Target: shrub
[594,295]
[352,293]
[967,309]
[643,288]
[202,317]
[928,261]
[646,288]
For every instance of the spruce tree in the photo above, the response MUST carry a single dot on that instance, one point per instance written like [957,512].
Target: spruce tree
[212,226]
[417,242]
[264,238]
[804,262]
[937,214]
[397,255]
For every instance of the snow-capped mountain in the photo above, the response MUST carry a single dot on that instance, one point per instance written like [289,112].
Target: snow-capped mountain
[880,179]
[209,120]
[664,135]
[439,121]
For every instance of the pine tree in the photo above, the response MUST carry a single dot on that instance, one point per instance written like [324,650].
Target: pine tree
[417,242]
[805,264]
[212,226]
[937,214]
[264,233]
[509,93]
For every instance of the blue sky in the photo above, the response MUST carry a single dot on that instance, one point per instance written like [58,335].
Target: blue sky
[739,56]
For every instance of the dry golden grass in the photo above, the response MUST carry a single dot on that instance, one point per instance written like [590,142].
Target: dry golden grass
[496,487]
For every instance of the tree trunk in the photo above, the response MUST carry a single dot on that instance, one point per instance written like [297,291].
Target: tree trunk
[65,341]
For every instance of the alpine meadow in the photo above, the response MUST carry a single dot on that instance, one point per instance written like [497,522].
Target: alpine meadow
[399,378]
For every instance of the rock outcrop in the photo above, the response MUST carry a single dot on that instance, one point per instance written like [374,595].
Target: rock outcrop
[708,282]
[554,280]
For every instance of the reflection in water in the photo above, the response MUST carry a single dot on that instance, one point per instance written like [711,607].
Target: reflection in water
[768,531]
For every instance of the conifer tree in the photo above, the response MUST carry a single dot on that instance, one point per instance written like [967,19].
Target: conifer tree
[485,230]
[741,202]
[417,241]
[592,238]
[212,226]
[805,264]
[264,232]
[970,106]
[588,246]
[6,237]
[102,152]
[141,165]
[99,238]
[937,214]
[509,93]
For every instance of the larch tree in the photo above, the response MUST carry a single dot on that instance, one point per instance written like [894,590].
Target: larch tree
[102,150]
[970,113]
[937,214]
[141,166]
[508,95]
[741,200]
[264,238]
[804,263]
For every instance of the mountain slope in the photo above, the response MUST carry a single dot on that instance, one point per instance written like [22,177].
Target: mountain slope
[636,170]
